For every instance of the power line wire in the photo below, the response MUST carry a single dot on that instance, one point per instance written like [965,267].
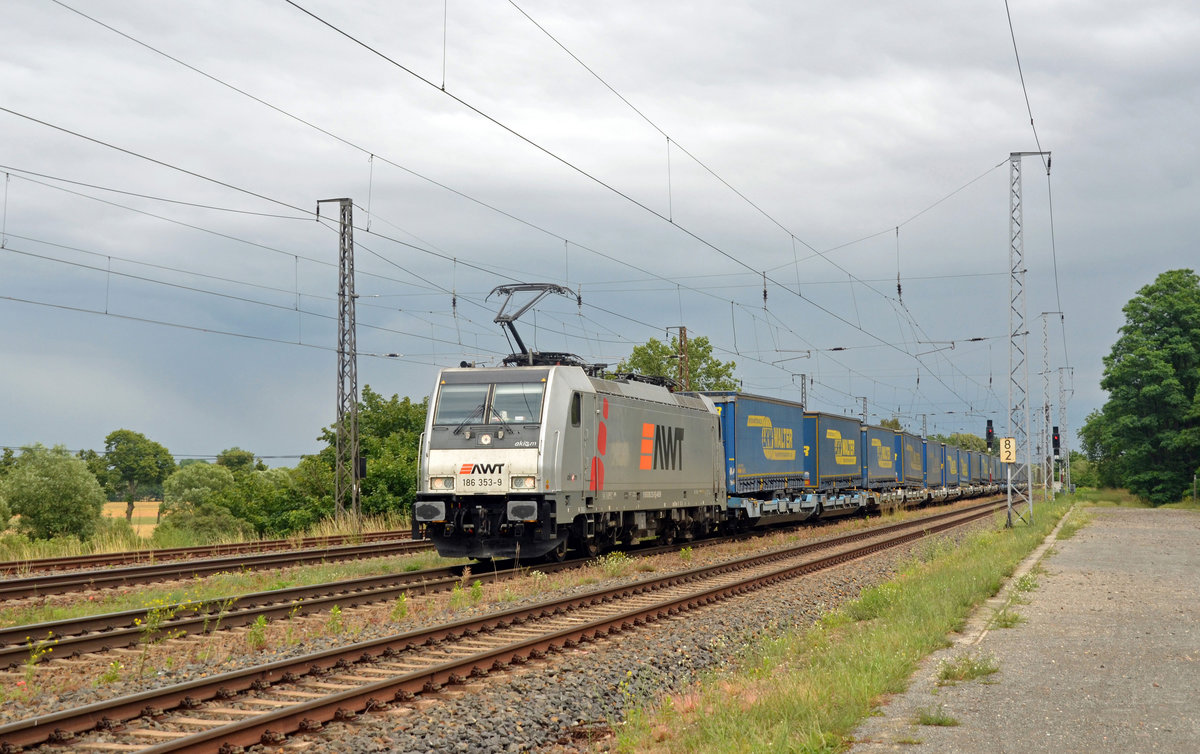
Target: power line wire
[365,151]
[147,158]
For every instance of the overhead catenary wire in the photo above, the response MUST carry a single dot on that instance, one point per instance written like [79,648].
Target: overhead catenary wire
[158,162]
[368,152]
[708,169]
[567,163]
[489,269]
[241,299]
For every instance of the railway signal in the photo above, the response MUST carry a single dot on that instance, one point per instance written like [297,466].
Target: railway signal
[991,436]
[1055,442]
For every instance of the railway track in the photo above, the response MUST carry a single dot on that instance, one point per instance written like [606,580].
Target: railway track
[72,637]
[60,583]
[263,704]
[100,560]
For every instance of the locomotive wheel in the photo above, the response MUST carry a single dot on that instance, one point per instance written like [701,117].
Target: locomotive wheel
[559,553]
[588,548]
[667,537]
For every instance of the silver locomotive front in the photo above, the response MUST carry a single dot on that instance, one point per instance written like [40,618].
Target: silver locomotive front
[483,489]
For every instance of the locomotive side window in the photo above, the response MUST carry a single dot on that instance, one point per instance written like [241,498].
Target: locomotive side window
[517,402]
[459,403]
[576,409]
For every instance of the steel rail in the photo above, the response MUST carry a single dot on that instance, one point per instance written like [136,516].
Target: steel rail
[74,562]
[62,726]
[60,583]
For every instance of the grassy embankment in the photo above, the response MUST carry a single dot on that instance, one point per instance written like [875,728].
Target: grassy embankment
[1111,498]
[806,690]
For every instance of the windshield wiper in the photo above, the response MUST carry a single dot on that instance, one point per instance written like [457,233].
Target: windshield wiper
[497,414]
[470,416]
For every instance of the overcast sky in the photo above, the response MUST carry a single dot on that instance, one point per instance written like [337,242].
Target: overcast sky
[754,137]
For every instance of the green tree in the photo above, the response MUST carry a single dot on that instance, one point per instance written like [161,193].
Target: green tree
[1083,471]
[1147,435]
[54,494]
[962,440]
[99,468]
[8,459]
[310,494]
[892,423]
[196,484]
[658,359]
[197,501]
[135,460]
[235,459]
[389,436]
[5,511]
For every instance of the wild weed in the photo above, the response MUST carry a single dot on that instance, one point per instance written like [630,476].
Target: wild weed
[256,637]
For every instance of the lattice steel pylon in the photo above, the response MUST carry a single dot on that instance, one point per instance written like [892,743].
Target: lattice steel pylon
[1047,450]
[1020,484]
[1062,425]
[346,470]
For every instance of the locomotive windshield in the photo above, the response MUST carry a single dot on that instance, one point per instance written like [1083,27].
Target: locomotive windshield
[490,404]
[459,403]
[518,402]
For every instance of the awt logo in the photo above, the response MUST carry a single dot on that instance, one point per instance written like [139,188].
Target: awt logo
[662,447]
[482,468]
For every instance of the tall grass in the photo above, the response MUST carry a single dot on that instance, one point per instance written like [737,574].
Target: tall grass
[807,690]
[115,535]
[1108,497]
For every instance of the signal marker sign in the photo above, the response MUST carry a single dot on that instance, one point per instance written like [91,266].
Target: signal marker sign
[1008,450]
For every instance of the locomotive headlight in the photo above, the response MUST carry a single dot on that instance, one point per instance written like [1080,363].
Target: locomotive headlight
[441,483]
[524,482]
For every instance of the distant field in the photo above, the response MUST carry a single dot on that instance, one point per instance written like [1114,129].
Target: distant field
[144,513]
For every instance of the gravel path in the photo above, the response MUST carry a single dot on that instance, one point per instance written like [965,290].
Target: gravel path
[1108,658]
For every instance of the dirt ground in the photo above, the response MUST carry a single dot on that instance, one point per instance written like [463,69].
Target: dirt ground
[1104,658]
[144,512]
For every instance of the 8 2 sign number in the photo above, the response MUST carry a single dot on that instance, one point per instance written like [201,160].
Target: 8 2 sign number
[1008,450]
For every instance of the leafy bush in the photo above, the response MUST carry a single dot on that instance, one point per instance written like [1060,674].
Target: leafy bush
[53,492]
[200,524]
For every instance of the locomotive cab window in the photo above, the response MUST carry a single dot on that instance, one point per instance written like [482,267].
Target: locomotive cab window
[489,404]
[460,403]
[517,402]
[576,409]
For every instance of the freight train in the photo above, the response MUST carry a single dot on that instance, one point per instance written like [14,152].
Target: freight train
[535,461]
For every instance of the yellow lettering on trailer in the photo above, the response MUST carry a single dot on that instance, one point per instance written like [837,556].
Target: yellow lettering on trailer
[844,453]
[776,441]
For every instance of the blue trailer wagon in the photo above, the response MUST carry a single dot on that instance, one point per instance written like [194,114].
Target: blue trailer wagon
[767,467]
[835,442]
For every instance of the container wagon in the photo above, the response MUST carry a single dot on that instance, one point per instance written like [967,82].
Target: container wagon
[835,443]
[767,467]
[880,465]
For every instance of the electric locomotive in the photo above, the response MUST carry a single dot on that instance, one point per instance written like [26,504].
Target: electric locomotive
[532,461]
